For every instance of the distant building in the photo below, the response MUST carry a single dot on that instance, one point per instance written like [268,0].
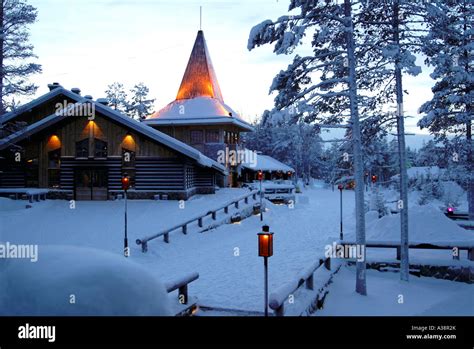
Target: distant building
[270,167]
[198,116]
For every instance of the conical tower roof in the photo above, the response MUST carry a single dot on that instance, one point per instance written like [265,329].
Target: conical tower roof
[199,79]
[199,99]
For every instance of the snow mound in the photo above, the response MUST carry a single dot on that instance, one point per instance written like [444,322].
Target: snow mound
[11,205]
[425,224]
[68,281]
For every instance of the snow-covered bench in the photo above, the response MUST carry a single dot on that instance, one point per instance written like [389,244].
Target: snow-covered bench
[448,245]
[31,194]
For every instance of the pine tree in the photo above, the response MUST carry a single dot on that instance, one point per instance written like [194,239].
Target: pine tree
[335,95]
[140,105]
[16,52]
[448,48]
[117,97]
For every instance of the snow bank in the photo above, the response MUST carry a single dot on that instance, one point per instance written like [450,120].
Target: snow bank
[79,281]
[12,205]
[426,224]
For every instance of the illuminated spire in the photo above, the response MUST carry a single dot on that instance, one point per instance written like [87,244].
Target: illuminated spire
[199,79]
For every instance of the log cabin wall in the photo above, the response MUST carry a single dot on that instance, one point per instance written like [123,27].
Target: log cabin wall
[154,167]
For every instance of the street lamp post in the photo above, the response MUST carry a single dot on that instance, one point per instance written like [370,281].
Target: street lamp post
[125,187]
[265,250]
[340,187]
[260,178]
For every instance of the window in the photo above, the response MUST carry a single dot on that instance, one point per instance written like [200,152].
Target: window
[197,137]
[100,148]
[82,148]
[212,136]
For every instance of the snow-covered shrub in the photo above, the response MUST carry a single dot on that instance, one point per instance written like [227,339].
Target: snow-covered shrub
[70,281]
[377,203]
[452,194]
[431,190]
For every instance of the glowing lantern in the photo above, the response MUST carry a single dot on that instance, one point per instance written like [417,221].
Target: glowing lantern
[260,175]
[265,242]
[125,183]
[374,178]
[340,187]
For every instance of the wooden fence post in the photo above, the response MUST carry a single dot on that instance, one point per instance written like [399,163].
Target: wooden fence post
[185,229]
[226,209]
[310,282]
[399,254]
[200,222]
[236,204]
[183,294]
[470,254]
[327,263]
[166,238]
[214,215]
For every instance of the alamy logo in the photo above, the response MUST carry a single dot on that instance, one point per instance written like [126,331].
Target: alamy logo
[237,157]
[37,332]
[8,250]
[76,109]
[355,251]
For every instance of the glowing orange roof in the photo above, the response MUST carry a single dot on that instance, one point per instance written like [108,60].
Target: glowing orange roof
[199,79]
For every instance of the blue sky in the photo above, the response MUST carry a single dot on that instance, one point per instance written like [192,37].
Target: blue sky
[92,43]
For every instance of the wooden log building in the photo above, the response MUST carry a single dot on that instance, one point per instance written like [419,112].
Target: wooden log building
[80,148]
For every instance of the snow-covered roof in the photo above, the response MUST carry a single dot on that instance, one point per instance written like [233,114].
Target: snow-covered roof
[133,124]
[414,172]
[40,100]
[199,99]
[197,111]
[267,163]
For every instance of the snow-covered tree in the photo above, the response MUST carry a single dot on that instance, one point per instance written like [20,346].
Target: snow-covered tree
[16,52]
[449,49]
[322,86]
[140,105]
[117,97]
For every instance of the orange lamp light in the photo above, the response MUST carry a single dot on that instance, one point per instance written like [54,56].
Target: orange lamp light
[125,183]
[265,242]
[260,175]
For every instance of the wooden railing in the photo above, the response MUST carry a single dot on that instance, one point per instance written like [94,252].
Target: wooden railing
[182,286]
[280,295]
[184,225]
[454,246]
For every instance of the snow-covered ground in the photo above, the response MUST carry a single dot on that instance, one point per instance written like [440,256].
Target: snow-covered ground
[387,295]
[231,273]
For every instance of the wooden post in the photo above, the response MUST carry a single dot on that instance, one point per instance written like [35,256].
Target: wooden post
[470,254]
[200,222]
[399,252]
[214,215]
[226,209]
[183,294]
[185,229]
[236,204]
[458,252]
[166,238]
[310,282]
[327,263]
[246,200]
[280,311]
[254,196]
[144,246]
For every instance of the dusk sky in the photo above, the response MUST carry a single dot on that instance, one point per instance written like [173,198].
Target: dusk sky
[90,44]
